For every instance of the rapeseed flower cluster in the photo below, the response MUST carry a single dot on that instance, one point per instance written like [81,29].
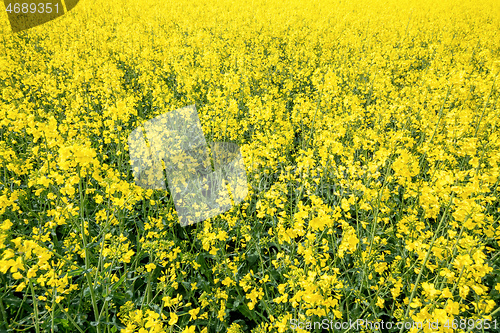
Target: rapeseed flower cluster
[371,141]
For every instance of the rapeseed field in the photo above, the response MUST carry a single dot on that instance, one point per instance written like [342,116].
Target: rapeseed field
[370,134]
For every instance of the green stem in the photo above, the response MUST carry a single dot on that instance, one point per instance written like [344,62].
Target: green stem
[87,263]
[35,307]
[426,259]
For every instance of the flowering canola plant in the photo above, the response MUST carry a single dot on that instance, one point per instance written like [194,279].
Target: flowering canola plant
[370,136]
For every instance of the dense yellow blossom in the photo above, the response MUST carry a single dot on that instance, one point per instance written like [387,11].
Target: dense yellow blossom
[371,141]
